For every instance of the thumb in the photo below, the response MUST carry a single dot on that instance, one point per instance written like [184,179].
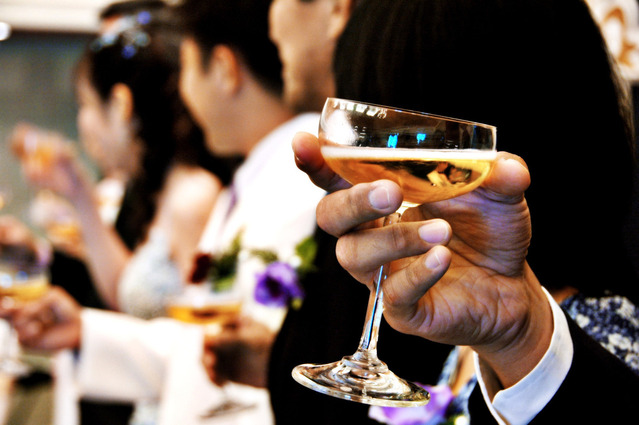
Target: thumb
[509,178]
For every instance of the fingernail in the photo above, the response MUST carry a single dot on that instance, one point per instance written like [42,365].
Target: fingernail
[378,197]
[433,261]
[434,232]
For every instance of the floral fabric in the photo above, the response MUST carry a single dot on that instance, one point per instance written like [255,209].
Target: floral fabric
[613,321]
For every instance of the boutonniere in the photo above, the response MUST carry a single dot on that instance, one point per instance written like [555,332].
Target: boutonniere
[278,285]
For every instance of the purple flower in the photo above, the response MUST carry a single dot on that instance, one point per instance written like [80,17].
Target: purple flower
[431,414]
[277,285]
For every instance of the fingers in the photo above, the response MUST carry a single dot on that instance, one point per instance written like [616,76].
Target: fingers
[31,322]
[309,159]
[509,178]
[404,288]
[51,322]
[363,252]
[209,360]
[344,210]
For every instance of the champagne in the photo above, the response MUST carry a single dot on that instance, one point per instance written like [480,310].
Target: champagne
[425,175]
[25,290]
[204,314]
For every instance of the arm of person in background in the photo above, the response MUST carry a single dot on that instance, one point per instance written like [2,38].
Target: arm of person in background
[50,162]
[119,357]
[488,299]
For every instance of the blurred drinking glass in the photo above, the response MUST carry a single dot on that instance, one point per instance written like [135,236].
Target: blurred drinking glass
[201,304]
[24,276]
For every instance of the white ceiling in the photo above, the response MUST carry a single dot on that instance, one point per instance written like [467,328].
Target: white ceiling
[52,15]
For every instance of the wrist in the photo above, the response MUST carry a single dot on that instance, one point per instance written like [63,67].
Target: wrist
[512,355]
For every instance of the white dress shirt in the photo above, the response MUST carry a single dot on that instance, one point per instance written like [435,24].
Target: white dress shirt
[123,358]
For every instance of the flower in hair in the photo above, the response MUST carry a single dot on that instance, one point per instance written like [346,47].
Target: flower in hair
[129,29]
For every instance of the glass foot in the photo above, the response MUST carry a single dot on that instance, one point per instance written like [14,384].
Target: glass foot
[358,381]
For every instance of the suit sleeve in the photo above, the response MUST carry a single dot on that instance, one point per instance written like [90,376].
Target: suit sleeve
[599,388]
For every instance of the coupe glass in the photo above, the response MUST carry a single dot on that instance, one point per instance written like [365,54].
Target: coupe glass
[432,158]
[201,304]
[23,277]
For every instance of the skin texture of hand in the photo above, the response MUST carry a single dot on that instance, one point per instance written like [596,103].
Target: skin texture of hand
[49,323]
[459,274]
[238,353]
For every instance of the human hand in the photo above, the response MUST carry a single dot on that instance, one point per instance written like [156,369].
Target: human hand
[488,298]
[48,160]
[239,352]
[310,160]
[17,239]
[51,322]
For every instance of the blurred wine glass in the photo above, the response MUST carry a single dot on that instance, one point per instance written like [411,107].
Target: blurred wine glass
[24,276]
[201,304]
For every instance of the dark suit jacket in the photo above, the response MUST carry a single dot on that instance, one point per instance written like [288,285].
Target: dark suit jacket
[328,326]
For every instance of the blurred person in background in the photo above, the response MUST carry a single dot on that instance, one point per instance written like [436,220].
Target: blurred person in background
[231,81]
[133,122]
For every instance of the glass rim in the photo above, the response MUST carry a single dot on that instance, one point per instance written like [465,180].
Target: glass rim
[410,111]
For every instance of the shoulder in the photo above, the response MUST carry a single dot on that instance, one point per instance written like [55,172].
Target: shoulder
[187,199]
[189,187]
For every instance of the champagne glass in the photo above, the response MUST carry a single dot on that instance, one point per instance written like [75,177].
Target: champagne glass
[432,158]
[201,304]
[23,277]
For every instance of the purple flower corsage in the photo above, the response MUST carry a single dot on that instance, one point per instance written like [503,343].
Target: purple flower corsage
[431,414]
[278,286]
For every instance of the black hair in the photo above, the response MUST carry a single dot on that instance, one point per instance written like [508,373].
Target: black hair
[540,71]
[128,7]
[243,26]
[143,53]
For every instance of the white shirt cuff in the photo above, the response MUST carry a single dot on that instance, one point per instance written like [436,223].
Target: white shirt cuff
[520,403]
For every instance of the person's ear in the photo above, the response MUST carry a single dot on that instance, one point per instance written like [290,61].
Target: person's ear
[226,68]
[340,14]
[121,102]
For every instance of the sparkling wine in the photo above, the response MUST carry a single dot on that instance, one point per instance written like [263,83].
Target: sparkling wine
[425,175]
[204,314]
[24,290]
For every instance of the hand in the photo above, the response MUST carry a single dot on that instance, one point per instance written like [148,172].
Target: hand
[50,323]
[239,353]
[15,236]
[488,298]
[48,160]
[309,159]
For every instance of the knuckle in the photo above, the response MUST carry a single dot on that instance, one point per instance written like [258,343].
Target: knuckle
[346,254]
[399,237]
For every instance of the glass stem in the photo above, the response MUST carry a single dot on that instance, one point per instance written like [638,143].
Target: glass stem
[368,342]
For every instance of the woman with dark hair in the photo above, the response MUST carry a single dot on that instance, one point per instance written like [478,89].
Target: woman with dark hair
[131,119]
